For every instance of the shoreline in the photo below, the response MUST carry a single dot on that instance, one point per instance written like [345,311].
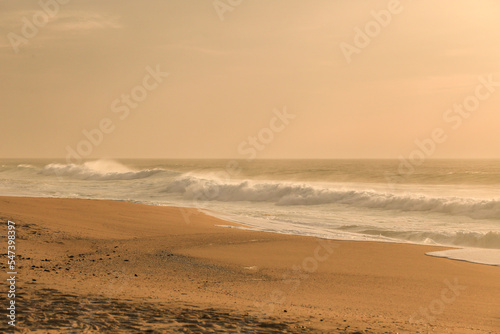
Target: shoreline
[220,216]
[134,253]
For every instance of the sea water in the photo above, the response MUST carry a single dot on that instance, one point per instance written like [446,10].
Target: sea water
[441,202]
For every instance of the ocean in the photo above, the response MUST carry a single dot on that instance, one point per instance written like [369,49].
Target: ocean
[441,202]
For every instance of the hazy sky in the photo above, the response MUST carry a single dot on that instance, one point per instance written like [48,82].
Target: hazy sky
[230,63]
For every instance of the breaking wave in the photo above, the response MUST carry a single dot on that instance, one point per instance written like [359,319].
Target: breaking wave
[288,194]
[98,170]
[25,166]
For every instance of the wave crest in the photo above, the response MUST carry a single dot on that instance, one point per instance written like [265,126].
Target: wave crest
[288,194]
[25,166]
[98,170]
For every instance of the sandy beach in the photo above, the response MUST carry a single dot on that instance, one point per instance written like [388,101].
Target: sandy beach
[250,167]
[109,266]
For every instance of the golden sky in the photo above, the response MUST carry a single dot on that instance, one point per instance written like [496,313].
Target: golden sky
[357,79]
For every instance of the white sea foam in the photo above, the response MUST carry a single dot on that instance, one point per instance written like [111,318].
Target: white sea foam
[463,239]
[25,166]
[475,255]
[98,170]
[486,240]
[289,193]
[447,203]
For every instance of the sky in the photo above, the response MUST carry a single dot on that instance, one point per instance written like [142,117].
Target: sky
[249,79]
